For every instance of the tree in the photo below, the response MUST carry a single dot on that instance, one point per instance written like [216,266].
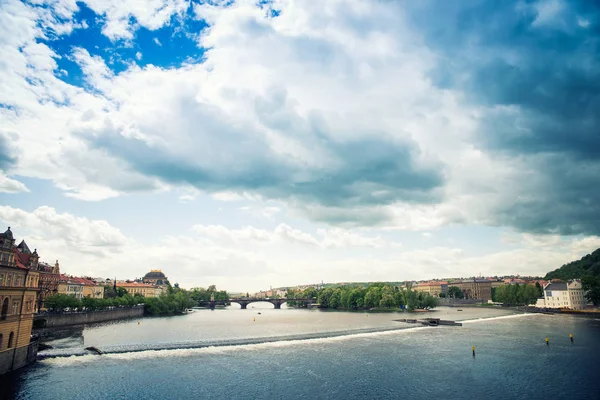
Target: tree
[528,294]
[454,292]
[586,266]
[335,301]
[539,289]
[387,301]
[516,295]
[356,299]
[591,287]
[325,297]
[429,302]
[373,297]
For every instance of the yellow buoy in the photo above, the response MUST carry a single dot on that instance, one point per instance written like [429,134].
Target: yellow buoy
[255,319]
[138,322]
[473,350]
[547,341]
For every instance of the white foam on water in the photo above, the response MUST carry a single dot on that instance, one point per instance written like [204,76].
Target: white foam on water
[470,321]
[218,349]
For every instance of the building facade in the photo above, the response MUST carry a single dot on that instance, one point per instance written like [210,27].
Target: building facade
[18,302]
[144,289]
[569,295]
[155,277]
[71,286]
[92,289]
[433,288]
[477,289]
[48,282]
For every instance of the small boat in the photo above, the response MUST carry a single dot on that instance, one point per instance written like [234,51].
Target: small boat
[460,309]
[420,310]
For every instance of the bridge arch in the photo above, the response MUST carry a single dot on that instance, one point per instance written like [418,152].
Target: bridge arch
[243,302]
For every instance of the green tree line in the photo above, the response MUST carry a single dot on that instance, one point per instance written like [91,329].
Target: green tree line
[175,301]
[61,301]
[587,266]
[201,294]
[375,295]
[517,295]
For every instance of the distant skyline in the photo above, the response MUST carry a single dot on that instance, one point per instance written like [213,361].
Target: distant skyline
[250,144]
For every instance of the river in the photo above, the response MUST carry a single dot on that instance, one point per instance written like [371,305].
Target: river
[262,353]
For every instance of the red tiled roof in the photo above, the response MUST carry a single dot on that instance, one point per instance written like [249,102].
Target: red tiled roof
[22,259]
[76,280]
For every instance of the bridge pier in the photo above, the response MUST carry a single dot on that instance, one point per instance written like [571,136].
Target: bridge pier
[277,305]
[244,306]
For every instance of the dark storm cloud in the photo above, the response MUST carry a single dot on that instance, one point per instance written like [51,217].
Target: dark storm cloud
[357,173]
[540,80]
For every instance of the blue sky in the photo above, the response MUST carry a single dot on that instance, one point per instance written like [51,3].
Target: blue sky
[254,144]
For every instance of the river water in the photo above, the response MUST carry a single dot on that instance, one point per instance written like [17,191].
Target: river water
[263,353]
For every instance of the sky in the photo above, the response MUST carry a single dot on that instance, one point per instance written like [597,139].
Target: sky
[255,144]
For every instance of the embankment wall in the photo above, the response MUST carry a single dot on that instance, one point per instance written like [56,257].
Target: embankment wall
[59,320]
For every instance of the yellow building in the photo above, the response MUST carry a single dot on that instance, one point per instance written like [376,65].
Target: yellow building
[18,302]
[80,287]
[71,286]
[433,288]
[93,290]
[145,289]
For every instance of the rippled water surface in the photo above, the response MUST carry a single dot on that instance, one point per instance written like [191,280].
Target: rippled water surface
[512,360]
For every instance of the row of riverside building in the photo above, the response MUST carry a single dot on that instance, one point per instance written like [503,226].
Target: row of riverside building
[26,282]
[556,294]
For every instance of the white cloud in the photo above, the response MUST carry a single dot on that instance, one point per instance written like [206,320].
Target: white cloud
[274,99]
[8,185]
[249,258]
[261,125]
[324,238]
[138,55]
[548,11]
[124,16]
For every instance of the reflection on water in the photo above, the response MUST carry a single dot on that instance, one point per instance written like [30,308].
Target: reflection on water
[68,337]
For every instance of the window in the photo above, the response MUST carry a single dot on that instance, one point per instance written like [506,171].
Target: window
[1,341]
[11,338]
[15,308]
[4,309]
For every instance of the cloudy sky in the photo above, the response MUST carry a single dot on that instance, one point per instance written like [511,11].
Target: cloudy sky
[251,143]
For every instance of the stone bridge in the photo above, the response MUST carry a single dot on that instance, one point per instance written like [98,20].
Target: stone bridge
[243,302]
